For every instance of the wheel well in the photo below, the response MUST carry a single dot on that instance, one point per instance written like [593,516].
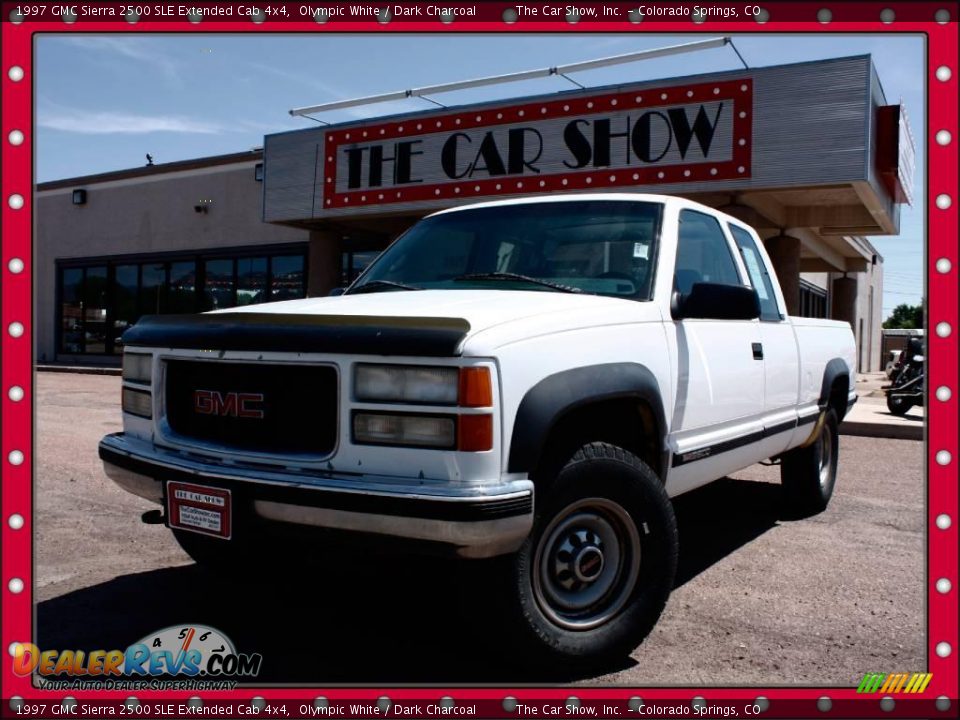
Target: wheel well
[628,423]
[838,396]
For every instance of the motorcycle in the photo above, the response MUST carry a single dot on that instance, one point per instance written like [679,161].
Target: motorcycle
[908,387]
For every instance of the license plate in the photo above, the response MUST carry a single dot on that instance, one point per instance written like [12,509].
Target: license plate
[199,509]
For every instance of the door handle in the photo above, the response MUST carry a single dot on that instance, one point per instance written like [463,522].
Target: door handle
[757,351]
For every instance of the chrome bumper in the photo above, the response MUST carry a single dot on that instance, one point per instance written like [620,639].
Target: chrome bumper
[475,522]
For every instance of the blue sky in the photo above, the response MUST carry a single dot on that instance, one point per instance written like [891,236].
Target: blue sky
[104,101]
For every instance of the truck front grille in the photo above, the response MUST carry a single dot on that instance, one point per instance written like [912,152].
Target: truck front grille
[259,407]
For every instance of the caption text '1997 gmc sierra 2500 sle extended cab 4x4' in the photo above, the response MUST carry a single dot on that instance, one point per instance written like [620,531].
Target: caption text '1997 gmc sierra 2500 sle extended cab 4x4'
[529,380]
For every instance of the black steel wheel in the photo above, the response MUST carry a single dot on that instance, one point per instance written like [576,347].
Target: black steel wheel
[594,575]
[809,474]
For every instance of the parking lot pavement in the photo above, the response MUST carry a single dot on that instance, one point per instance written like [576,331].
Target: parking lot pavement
[758,599]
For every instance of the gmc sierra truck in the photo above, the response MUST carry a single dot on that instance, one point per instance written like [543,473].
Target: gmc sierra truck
[531,380]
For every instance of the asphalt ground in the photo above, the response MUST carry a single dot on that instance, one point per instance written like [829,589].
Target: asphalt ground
[759,599]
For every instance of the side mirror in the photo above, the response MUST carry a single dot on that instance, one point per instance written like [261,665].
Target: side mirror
[714,301]
[336,291]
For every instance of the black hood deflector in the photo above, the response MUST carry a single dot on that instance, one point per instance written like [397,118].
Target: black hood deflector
[276,332]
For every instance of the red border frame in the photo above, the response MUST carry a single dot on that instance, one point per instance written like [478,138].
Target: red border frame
[739,91]
[942,293]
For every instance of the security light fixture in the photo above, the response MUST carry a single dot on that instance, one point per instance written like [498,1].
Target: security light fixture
[79,197]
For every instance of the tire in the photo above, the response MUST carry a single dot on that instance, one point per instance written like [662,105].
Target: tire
[809,474]
[898,405]
[593,577]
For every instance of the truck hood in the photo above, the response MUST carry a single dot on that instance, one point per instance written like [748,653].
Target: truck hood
[485,311]
[481,308]
[421,322]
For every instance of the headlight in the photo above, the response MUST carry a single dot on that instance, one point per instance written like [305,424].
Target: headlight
[137,367]
[137,402]
[407,383]
[415,430]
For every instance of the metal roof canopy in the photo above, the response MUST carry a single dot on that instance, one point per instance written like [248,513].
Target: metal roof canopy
[561,70]
[821,184]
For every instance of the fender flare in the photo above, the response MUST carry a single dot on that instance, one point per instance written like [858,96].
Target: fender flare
[557,395]
[834,370]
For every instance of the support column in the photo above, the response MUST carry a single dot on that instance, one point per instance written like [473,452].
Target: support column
[323,262]
[784,252]
[844,301]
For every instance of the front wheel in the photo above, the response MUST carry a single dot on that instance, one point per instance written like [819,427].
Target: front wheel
[592,579]
[809,474]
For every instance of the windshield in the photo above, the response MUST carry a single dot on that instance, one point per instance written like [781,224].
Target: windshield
[602,247]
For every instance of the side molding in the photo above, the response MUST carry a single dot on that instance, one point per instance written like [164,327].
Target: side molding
[555,396]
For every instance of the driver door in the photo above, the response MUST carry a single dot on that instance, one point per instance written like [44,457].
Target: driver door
[718,406]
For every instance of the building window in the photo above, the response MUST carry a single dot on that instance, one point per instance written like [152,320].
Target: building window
[354,263]
[95,304]
[288,279]
[71,311]
[258,172]
[153,286]
[126,281]
[182,287]
[83,310]
[218,286]
[813,300]
[100,300]
[251,281]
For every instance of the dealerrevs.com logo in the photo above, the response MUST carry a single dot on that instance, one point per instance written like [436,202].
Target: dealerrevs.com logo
[197,653]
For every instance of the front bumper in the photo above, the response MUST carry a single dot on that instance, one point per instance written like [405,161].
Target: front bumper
[471,521]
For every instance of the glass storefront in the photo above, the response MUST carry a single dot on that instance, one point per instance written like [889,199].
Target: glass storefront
[71,310]
[100,299]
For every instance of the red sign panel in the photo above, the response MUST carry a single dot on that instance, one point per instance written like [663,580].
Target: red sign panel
[687,133]
[896,154]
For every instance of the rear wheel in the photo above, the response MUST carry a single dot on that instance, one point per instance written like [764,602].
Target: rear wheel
[809,474]
[897,404]
[592,579]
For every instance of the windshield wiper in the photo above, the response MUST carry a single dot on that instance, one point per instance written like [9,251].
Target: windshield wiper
[518,276]
[373,285]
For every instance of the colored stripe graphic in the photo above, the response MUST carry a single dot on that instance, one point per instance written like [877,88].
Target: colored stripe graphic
[871,682]
[890,683]
[894,682]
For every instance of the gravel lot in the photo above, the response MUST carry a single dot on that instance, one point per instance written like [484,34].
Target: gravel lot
[759,600]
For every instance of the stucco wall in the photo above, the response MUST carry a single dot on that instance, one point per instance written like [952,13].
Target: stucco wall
[145,215]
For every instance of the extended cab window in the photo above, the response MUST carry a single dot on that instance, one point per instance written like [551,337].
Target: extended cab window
[703,254]
[602,247]
[757,269]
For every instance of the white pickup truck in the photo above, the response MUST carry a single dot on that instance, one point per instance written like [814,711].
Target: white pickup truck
[531,380]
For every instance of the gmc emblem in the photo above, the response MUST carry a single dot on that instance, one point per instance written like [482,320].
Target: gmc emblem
[231,404]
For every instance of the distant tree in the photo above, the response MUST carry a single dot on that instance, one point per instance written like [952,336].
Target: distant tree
[905,317]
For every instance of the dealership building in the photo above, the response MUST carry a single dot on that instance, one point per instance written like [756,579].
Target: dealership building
[812,155]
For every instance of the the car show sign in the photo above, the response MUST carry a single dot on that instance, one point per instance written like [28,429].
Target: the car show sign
[785,128]
[685,133]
